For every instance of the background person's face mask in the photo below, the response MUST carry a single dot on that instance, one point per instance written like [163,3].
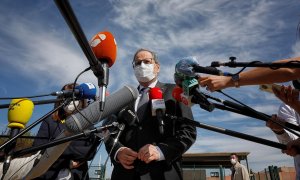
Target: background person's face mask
[144,72]
[233,161]
[70,107]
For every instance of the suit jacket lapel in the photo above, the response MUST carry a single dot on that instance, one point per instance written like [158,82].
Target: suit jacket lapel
[162,86]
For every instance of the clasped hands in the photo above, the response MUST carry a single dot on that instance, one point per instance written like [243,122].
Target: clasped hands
[147,153]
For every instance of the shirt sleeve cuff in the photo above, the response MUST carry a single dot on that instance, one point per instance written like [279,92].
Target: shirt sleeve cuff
[161,155]
[115,156]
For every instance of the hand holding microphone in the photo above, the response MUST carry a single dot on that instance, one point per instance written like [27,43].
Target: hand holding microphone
[189,66]
[214,83]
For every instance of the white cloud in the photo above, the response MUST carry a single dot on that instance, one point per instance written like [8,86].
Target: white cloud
[296,48]
[201,24]
[43,57]
[48,54]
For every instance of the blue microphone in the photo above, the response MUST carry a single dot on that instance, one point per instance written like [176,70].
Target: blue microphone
[84,90]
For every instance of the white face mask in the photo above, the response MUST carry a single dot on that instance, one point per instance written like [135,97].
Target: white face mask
[70,107]
[144,72]
[233,161]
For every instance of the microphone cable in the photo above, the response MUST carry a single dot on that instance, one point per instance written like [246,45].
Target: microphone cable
[73,95]
[253,62]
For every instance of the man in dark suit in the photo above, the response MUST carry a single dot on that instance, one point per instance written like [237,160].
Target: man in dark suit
[142,152]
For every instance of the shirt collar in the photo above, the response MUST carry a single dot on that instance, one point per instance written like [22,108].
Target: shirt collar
[152,85]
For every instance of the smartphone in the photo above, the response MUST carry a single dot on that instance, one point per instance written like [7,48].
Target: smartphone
[268,87]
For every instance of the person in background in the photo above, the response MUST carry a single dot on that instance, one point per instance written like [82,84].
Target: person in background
[287,113]
[72,164]
[142,152]
[239,171]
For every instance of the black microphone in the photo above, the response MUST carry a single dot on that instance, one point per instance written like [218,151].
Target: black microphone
[65,93]
[91,114]
[189,66]
[210,70]
[128,116]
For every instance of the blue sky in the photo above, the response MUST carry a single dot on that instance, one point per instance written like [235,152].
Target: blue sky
[39,53]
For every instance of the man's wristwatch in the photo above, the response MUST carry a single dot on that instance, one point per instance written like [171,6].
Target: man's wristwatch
[235,78]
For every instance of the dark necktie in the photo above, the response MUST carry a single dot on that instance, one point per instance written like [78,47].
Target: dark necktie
[142,105]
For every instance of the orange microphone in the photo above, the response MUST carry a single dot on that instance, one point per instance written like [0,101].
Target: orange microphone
[104,47]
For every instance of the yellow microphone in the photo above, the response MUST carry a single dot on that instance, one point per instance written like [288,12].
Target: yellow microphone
[19,113]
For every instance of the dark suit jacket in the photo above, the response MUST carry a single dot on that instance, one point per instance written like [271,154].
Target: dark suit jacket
[177,139]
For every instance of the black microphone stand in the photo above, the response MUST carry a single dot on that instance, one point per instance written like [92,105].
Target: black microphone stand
[228,132]
[100,71]
[85,133]
[9,145]
[262,116]
[232,63]
[34,124]
[40,102]
[121,128]
[248,111]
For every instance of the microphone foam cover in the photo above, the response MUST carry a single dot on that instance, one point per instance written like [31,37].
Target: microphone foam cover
[176,93]
[114,103]
[104,47]
[87,90]
[19,112]
[155,93]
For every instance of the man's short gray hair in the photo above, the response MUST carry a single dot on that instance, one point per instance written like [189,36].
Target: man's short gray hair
[152,52]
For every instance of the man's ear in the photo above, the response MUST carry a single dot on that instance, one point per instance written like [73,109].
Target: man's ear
[157,67]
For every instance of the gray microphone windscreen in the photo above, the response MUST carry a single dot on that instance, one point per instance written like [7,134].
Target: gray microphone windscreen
[114,103]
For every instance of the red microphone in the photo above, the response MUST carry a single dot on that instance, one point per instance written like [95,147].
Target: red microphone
[104,47]
[176,93]
[179,96]
[158,106]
